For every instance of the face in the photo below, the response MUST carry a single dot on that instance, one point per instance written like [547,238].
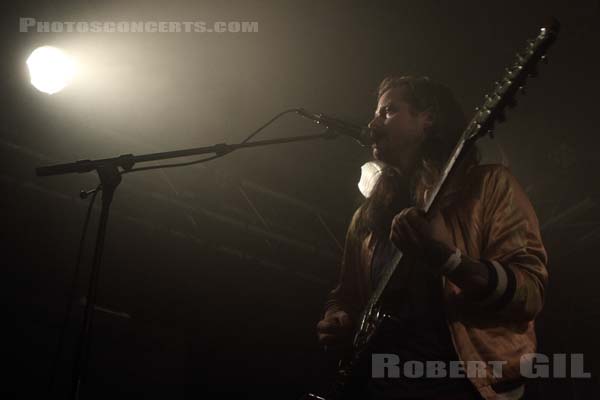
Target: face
[398,131]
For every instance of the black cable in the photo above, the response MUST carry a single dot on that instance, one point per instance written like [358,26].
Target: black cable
[281,114]
[215,156]
[73,291]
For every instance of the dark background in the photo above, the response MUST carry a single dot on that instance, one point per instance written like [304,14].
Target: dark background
[214,275]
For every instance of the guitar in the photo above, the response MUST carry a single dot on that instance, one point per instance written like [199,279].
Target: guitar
[492,110]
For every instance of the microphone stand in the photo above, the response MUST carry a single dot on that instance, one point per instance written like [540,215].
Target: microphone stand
[110,177]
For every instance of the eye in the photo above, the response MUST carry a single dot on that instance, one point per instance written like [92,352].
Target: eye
[389,110]
[386,111]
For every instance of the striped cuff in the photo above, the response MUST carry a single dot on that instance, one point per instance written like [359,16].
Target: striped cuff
[501,286]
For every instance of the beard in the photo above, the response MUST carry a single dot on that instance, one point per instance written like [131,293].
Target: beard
[391,194]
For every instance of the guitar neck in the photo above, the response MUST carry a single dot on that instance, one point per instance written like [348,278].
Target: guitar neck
[389,267]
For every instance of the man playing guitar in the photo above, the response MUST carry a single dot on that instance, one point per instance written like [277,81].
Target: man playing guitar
[474,272]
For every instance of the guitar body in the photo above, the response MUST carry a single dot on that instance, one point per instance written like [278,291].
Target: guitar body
[354,368]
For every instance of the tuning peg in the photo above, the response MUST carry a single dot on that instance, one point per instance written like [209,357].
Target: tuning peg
[544,59]
[491,133]
[522,90]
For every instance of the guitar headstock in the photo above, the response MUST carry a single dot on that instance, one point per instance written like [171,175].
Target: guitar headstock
[503,94]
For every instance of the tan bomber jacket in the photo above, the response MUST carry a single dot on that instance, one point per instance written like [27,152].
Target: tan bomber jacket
[490,218]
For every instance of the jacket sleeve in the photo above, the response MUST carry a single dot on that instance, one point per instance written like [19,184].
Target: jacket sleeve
[344,296]
[512,249]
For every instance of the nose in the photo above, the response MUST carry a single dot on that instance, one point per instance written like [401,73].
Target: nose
[375,128]
[375,123]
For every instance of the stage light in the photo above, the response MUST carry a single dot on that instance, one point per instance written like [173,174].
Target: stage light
[50,69]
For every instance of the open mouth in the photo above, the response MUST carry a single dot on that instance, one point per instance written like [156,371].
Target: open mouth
[378,144]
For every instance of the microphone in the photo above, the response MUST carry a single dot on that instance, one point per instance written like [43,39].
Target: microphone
[361,134]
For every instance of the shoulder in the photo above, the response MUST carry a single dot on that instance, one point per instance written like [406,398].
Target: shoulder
[484,183]
[500,191]
[489,177]
[486,172]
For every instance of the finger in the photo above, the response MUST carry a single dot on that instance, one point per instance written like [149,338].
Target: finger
[333,340]
[395,228]
[410,233]
[402,231]
[418,223]
[401,236]
[401,216]
[413,211]
[328,327]
[394,238]
[326,339]
[407,211]
[344,320]
[410,213]
[397,234]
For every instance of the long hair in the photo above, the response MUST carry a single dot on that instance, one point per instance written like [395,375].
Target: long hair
[393,191]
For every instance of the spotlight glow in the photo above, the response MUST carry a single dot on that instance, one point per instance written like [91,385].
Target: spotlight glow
[50,69]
